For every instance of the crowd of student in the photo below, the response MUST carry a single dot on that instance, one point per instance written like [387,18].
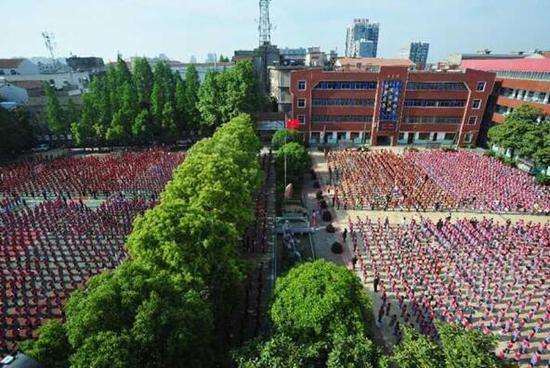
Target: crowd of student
[48,250]
[90,175]
[478,274]
[432,180]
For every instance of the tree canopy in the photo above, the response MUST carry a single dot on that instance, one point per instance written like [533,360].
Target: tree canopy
[458,347]
[522,133]
[320,316]
[283,136]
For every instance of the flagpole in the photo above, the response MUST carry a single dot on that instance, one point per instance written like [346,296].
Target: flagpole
[286,134]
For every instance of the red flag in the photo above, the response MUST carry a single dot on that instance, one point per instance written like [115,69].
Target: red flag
[293,124]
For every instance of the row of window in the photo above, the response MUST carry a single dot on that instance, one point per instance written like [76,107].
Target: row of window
[328,85]
[530,96]
[411,86]
[343,102]
[341,118]
[432,119]
[436,86]
[435,103]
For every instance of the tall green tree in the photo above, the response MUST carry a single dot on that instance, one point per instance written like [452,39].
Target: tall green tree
[143,79]
[180,107]
[57,123]
[192,86]
[210,103]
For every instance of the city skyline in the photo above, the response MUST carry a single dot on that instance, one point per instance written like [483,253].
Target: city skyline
[186,28]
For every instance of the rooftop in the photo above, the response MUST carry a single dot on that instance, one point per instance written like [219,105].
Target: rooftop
[345,61]
[10,63]
[516,65]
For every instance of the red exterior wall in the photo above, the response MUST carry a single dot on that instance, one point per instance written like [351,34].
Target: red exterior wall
[313,77]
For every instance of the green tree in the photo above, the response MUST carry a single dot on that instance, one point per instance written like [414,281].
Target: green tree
[523,134]
[209,103]
[417,351]
[106,349]
[141,128]
[283,136]
[192,86]
[297,162]
[54,114]
[16,130]
[51,348]
[467,348]
[143,80]
[320,316]
[180,107]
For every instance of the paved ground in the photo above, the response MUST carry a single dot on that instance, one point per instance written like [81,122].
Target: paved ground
[324,240]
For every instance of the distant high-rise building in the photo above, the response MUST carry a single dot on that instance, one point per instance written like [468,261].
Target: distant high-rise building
[193,59]
[362,38]
[211,57]
[418,54]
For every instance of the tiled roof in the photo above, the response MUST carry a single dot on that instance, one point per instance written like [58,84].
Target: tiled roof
[515,65]
[10,63]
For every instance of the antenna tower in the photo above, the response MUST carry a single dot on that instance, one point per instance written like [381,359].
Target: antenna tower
[264,26]
[49,41]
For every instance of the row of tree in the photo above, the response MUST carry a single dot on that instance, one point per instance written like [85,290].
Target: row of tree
[167,304]
[149,105]
[524,134]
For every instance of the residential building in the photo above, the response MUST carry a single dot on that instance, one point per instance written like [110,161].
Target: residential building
[418,54]
[362,38]
[279,84]
[389,104]
[17,66]
[293,56]
[518,81]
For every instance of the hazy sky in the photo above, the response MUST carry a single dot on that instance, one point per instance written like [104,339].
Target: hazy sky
[181,28]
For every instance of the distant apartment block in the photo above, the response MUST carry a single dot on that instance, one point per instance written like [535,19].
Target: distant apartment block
[418,54]
[362,39]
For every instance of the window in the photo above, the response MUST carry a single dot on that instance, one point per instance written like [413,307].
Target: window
[450,136]
[423,136]
[343,102]
[432,119]
[301,103]
[468,138]
[302,119]
[346,85]
[341,118]
[435,103]
[480,87]
[436,86]
[354,136]
[401,136]
[476,104]
[472,120]
[301,85]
